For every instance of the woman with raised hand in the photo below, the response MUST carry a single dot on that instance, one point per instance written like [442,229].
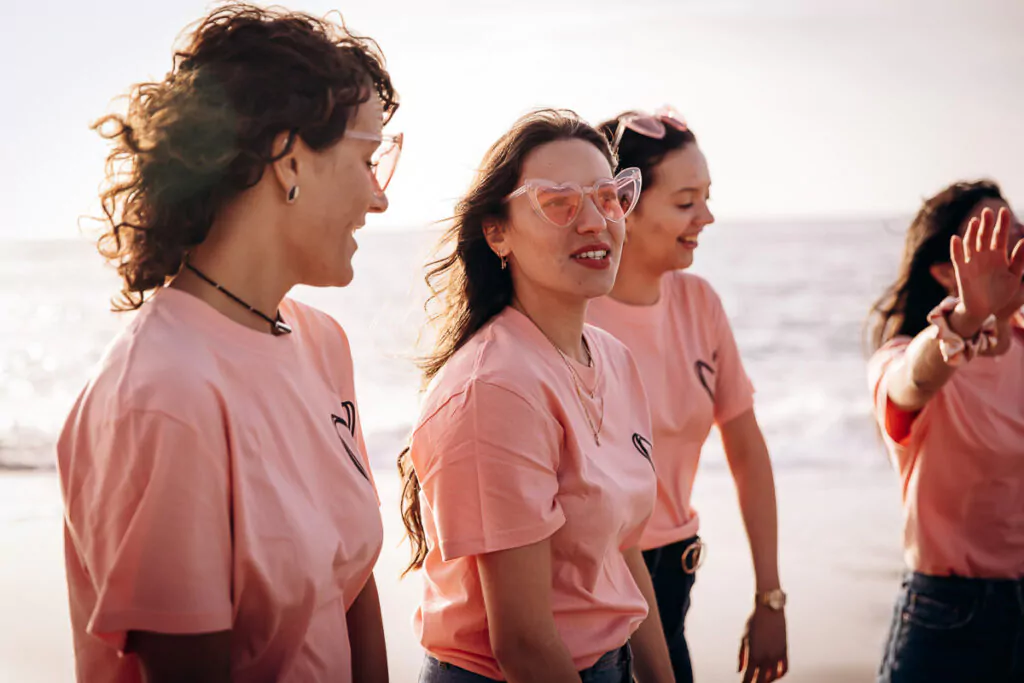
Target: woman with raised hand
[221,523]
[528,479]
[947,377]
[674,324]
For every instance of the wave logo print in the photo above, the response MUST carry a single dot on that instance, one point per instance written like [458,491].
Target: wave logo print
[643,445]
[348,423]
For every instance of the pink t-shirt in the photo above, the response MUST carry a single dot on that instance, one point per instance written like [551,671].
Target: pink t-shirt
[214,478]
[961,462]
[691,367]
[506,458]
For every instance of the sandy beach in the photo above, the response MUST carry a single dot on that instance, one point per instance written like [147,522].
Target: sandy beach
[840,564]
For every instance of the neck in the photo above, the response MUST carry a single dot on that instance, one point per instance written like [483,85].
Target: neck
[237,256]
[560,319]
[635,284]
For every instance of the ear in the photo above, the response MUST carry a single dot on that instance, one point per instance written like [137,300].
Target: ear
[286,168]
[945,275]
[497,236]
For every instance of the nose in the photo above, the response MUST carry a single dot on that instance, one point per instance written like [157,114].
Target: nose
[590,219]
[706,217]
[379,203]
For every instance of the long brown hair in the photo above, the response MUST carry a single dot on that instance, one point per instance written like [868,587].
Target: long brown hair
[468,286]
[904,308]
[192,142]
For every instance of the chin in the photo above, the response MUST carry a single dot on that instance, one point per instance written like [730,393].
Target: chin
[684,261]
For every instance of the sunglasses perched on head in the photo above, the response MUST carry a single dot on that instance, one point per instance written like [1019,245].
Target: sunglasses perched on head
[649,125]
[560,203]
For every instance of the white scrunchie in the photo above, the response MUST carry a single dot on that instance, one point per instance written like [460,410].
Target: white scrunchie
[955,349]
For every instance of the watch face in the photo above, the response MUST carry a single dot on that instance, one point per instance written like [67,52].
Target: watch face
[776,600]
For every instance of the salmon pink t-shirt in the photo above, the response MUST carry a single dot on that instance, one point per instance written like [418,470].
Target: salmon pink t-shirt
[215,478]
[690,364]
[961,463]
[506,458]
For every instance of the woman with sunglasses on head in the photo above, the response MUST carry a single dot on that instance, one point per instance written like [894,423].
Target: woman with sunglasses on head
[674,325]
[527,481]
[947,377]
[221,523]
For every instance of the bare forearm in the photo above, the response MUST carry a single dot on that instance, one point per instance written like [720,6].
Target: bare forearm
[366,636]
[650,651]
[924,371]
[751,469]
[536,657]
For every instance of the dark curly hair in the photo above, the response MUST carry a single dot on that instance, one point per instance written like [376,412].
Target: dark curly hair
[467,283]
[903,309]
[190,143]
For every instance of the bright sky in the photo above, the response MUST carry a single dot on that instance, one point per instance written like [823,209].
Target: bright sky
[803,107]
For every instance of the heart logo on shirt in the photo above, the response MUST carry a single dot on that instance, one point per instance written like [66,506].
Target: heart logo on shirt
[348,423]
[706,375]
[644,446]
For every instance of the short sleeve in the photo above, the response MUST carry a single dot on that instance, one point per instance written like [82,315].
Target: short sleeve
[894,423]
[734,392]
[153,524]
[487,461]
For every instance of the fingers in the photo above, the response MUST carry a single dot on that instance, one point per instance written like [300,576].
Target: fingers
[970,238]
[749,675]
[1017,260]
[958,251]
[744,649]
[984,235]
[771,670]
[1001,236]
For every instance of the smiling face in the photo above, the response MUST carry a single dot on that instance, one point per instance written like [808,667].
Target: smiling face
[575,262]
[665,228]
[337,190]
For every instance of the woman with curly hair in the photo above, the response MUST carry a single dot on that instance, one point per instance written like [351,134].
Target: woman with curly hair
[221,523]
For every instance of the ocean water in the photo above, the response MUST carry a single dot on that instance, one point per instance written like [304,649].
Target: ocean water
[797,294]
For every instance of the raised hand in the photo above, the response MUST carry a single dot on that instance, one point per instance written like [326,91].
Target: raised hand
[989,281]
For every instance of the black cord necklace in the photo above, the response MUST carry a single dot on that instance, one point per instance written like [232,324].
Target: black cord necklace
[277,325]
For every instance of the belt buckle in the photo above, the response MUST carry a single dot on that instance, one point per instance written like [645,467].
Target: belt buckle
[693,557]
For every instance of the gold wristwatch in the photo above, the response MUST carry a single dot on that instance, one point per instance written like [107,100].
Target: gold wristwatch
[774,600]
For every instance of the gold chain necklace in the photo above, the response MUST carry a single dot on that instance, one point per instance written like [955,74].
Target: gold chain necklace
[578,384]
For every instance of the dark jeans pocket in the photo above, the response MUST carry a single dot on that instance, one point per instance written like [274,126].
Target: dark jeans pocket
[932,638]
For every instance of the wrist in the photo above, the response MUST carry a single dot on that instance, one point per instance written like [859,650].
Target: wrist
[965,323]
[774,600]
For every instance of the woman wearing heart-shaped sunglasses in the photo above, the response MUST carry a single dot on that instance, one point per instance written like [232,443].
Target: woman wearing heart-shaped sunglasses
[675,325]
[528,477]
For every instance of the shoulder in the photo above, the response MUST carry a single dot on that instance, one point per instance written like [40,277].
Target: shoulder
[494,363]
[314,326]
[693,289]
[156,364]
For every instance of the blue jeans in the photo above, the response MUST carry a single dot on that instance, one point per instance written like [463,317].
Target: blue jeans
[613,667]
[672,586]
[956,629]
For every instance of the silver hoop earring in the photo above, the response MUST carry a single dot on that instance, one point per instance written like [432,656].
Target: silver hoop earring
[293,194]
